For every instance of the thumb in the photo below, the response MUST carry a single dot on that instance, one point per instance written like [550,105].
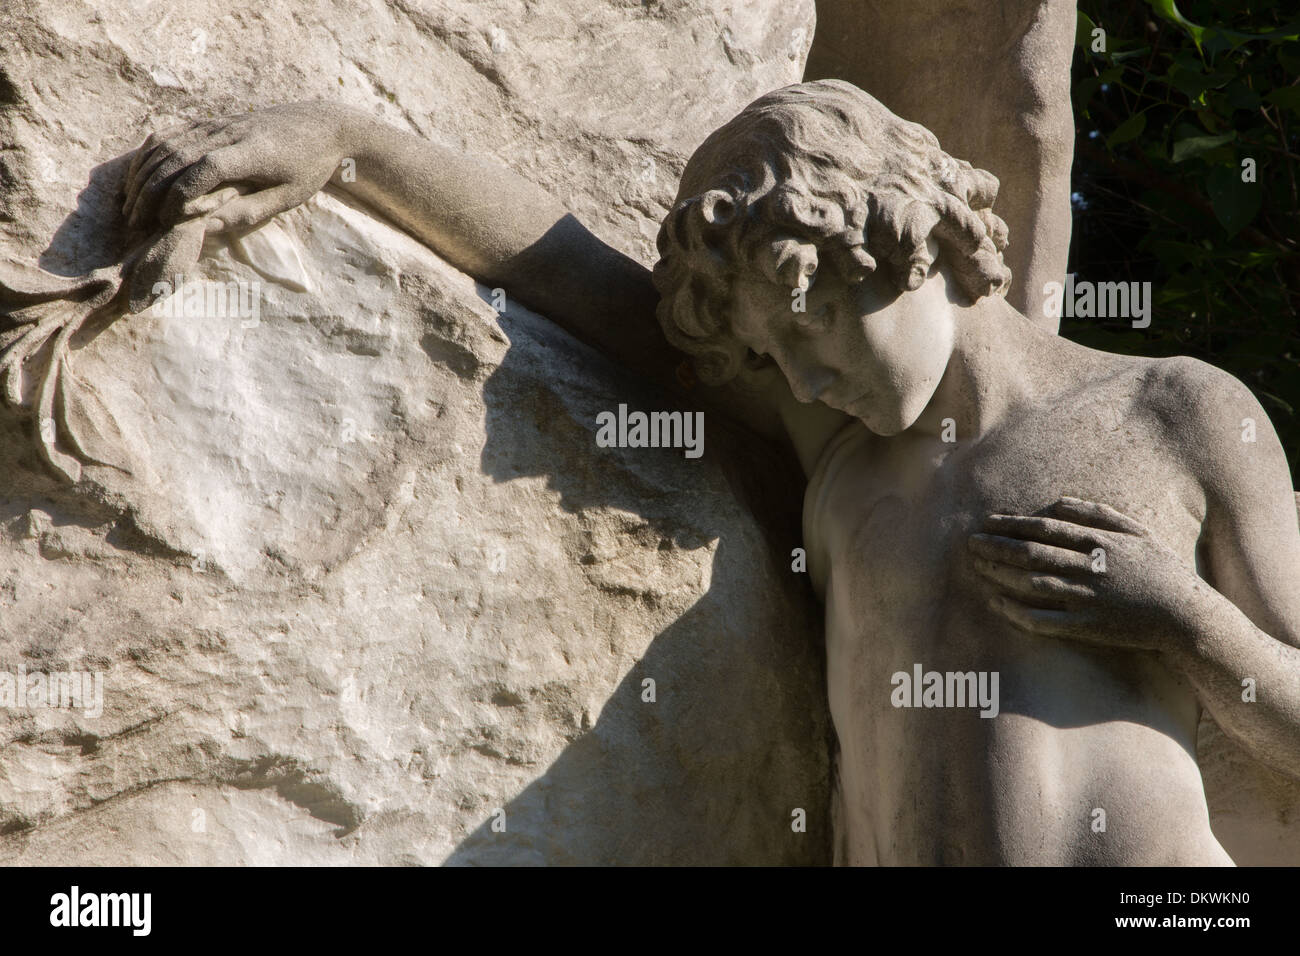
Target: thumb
[247,212]
[210,202]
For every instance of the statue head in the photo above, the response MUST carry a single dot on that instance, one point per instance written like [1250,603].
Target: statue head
[819,231]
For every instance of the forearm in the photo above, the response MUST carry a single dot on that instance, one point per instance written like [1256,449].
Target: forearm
[476,214]
[507,232]
[1221,648]
[481,217]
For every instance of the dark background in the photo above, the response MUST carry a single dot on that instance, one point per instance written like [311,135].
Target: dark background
[1164,117]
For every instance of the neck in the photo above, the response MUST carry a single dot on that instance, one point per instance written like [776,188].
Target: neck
[991,372]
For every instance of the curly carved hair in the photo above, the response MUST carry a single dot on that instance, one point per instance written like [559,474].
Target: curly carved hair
[813,172]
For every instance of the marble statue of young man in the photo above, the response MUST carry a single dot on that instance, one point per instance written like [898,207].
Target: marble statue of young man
[1114,538]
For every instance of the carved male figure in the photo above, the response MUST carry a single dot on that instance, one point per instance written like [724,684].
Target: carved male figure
[983,496]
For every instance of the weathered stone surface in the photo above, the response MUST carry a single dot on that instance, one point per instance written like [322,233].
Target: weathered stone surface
[1253,808]
[992,81]
[369,579]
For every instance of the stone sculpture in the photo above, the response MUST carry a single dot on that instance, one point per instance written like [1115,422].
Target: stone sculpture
[331,629]
[821,235]
[988,499]
[991,83]
[363,588]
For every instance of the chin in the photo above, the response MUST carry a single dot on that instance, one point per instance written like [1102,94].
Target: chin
[894,421]
[885,426]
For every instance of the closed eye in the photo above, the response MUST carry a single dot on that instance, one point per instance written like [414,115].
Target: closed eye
[817,320]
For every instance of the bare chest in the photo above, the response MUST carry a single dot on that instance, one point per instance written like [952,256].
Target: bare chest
[892,524]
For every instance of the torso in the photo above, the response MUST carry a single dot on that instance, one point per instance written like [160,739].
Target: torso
[1079,728]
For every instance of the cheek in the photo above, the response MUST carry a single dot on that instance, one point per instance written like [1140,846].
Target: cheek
[910,353]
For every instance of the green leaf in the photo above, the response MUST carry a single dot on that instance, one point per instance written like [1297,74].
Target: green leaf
[1130,129]
[1083,31]
[1260,257]
[1287,97]
[1235,203]
[1168,10]
[1239,96]
[1289,56]
[1119,56]
[1211,122]
[1195,145]
[1194,82]
[1084,91]
[1286,33]
[1216,42]
[1169,296]
[1173,254]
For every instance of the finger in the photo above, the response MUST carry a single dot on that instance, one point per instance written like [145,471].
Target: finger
[202,205]
[1034,587]
[1063,534]
[253,209]
[201,178]
[156,147]
[1031,555]
[151,194]
[1049,622]
[165,163]
[1096,515]
[152,142]
[142,152]
[172,153]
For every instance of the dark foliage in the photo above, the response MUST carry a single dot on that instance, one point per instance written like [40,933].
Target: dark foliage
[1185,175]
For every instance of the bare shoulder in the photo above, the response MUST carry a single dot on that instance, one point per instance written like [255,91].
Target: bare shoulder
[1249,548]
[1213,421]
[1198,402]
[1191,402]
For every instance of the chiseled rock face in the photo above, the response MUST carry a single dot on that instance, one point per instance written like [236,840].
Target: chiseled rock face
[369,586]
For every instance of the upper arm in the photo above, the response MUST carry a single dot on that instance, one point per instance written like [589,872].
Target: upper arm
[609,301]
[1250,539]
[506,231]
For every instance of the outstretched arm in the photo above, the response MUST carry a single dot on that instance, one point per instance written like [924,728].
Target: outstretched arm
[481,217]
[505,231]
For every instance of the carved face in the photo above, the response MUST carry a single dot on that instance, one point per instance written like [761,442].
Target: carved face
[867,349]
